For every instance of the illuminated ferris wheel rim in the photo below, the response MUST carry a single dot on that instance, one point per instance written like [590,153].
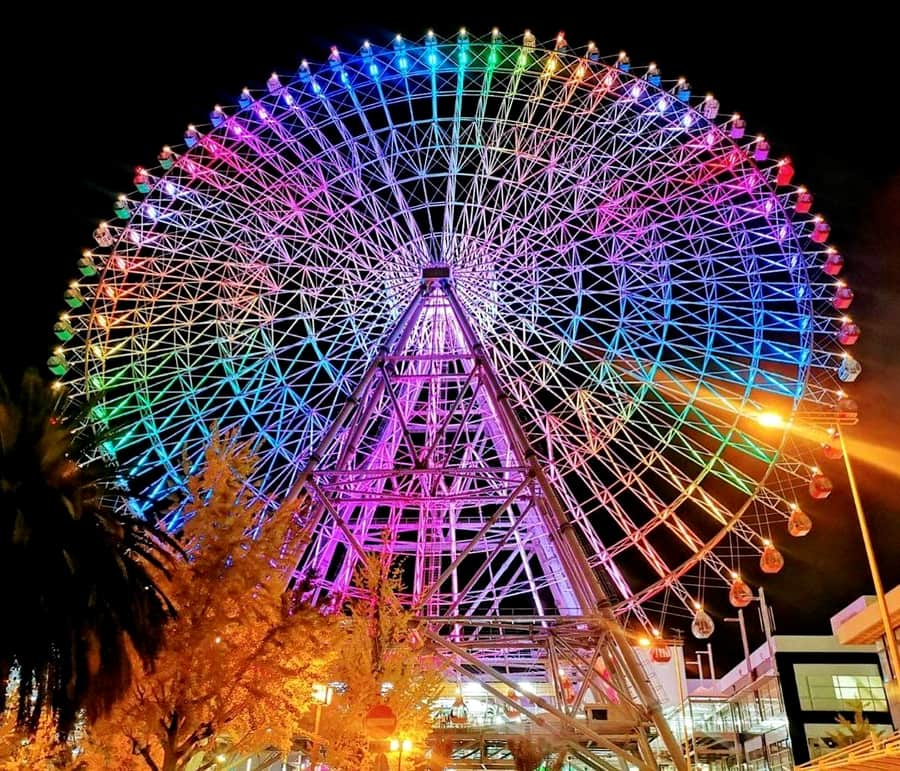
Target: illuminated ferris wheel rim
[610,94]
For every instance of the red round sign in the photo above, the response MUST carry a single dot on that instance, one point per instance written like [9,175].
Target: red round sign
[381,722]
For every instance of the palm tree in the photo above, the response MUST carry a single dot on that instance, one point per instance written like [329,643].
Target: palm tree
[852,731]
[77,576]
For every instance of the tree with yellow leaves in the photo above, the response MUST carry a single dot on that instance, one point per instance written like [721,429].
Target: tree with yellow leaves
[40,749]
[379,661]
[236,671]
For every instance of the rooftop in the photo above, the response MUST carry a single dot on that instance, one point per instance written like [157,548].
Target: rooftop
[860,622]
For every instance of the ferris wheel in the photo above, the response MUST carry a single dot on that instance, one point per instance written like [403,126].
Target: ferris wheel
[647,283]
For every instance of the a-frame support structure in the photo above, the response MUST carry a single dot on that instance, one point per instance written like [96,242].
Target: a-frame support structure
[428,463]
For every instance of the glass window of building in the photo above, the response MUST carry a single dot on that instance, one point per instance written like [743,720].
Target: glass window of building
[840,687]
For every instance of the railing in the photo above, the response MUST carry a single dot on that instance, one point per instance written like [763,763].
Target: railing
[779,760]
[872,754]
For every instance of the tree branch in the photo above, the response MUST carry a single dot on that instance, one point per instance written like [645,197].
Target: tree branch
[202,731]
[144,752]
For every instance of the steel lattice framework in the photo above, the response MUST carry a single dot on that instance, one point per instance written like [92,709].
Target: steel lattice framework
[639,274]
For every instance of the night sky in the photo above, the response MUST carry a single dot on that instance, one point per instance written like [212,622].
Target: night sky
[99,93]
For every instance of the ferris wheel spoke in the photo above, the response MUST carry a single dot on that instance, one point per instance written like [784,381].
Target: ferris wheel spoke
[672,431]
[654,503]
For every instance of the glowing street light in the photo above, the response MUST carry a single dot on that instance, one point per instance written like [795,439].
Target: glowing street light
[400,746]
[321,694]
[321,697]
[770,420]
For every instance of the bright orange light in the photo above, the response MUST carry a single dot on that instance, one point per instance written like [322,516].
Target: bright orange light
[395,745]
[887,459]
[407,745]
[322,693]
[770,420]
[644,642]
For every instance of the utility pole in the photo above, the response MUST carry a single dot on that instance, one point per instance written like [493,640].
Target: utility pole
[744,642]
[766,618]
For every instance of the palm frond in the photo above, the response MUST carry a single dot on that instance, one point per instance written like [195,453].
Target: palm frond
[82,577]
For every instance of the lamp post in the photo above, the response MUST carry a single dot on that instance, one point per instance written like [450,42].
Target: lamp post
[709,655]
[752,679]
[400,746]
[690,744]
[321,697]
[770,419]
[744,643]
[890,641]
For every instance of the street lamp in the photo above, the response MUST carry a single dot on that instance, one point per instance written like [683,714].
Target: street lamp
[321,697]
[767,629]
[751,679]
[709,655]
[773,420]
[890,641]
[400,746]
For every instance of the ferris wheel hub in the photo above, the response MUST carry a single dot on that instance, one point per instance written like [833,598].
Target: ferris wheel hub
[436,270]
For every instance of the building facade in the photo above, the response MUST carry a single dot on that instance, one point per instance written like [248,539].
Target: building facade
[821,678]
[861,623]
[778,708]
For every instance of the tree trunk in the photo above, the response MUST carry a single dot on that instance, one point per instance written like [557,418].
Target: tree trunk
[170,759]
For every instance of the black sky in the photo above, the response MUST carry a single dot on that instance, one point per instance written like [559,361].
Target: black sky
[100,90]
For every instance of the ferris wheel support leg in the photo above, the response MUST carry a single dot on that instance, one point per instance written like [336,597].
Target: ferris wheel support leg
[579,571]
[635,671]
[495,676]
[399,335]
